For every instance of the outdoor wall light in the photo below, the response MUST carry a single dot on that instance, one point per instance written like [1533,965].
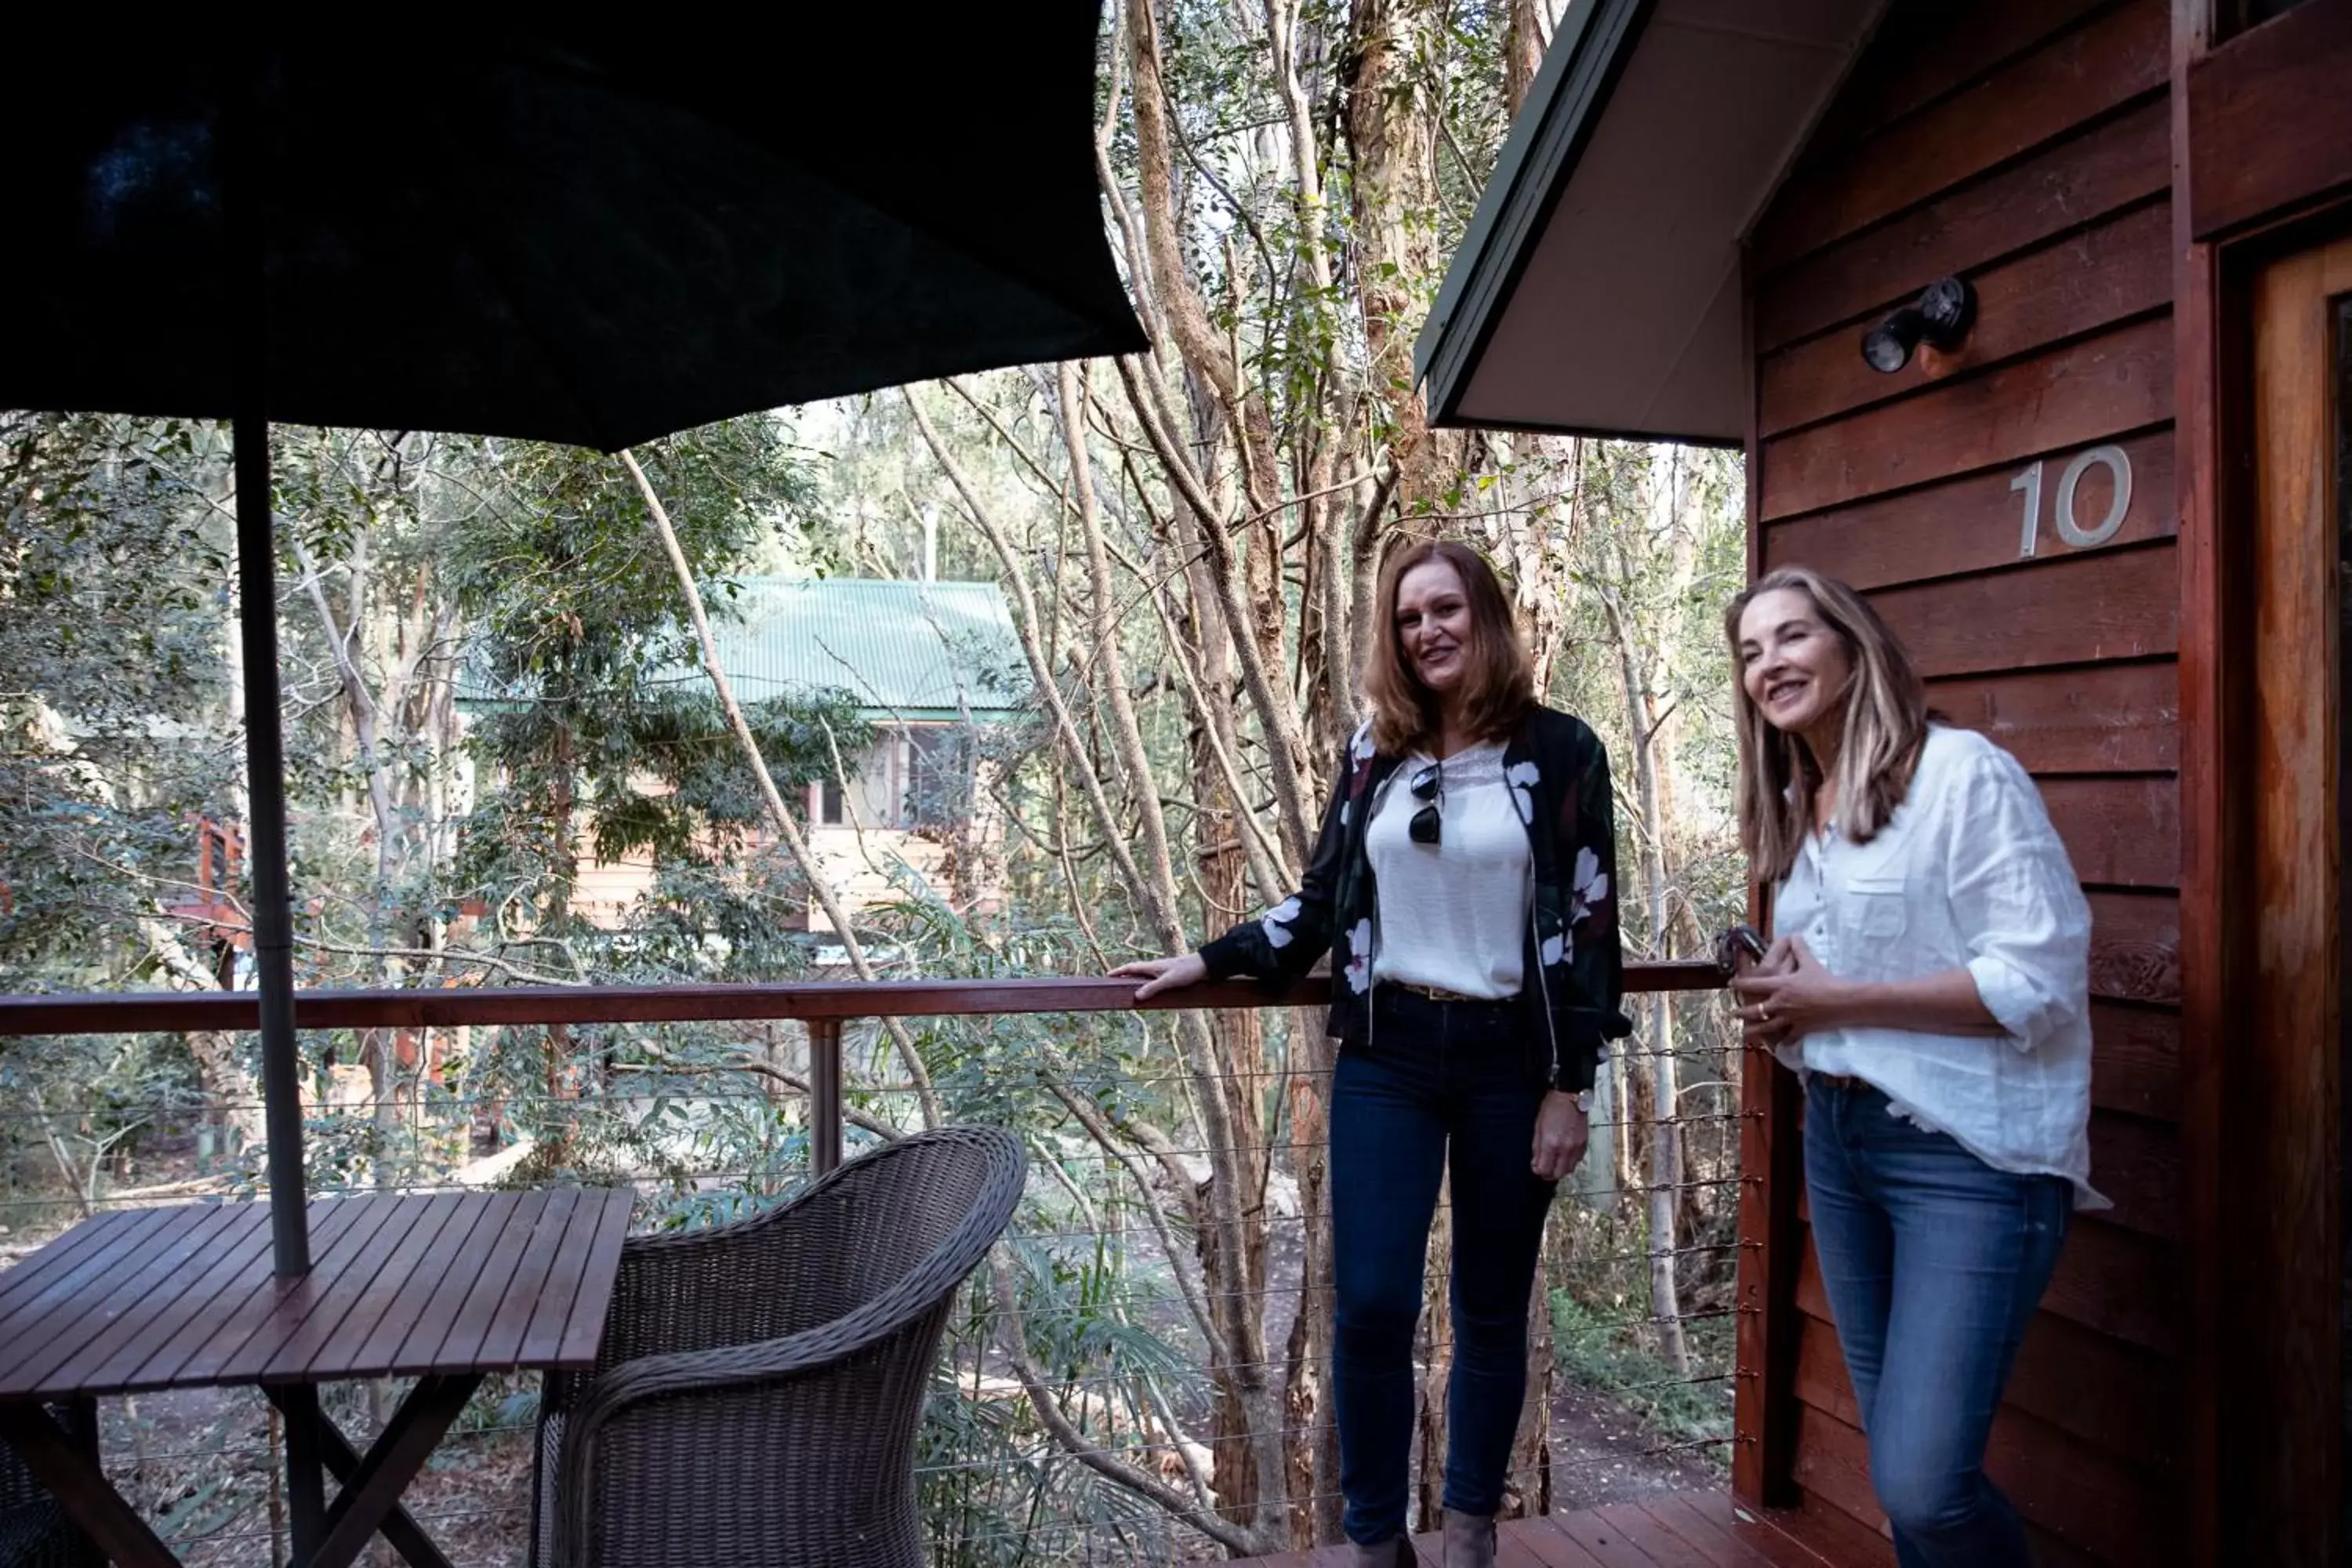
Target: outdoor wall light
[1939,317]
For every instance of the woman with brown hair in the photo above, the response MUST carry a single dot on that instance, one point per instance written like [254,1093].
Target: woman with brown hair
[1463,886]
[1930,980]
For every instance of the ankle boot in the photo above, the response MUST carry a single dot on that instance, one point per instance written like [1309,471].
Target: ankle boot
[1469,1539]
[1394,1552]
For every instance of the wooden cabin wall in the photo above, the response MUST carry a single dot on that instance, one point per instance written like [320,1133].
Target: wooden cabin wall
[2026,145]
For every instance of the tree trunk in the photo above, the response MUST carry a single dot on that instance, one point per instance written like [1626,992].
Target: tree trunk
[1227,1209]
[225,1080]
[1527,1491]
[1238,1039]
[366,712]
[1631,1102]
[1251,1469]
[1437,1358]
[1392,134]
[560,1127]
[1314,1459]
[227,1084]
[1665,1141]
[1645,722]
[1523,52]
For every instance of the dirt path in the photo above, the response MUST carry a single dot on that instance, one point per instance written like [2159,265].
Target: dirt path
[1601,1452]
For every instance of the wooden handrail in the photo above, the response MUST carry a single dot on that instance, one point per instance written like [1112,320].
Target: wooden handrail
[150,1011]
[824,1005]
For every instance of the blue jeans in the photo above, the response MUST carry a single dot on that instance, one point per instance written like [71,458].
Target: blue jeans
[1934,1263]
[1441,1080]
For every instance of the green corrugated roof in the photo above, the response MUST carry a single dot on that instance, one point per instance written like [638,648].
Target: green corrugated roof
[899,649]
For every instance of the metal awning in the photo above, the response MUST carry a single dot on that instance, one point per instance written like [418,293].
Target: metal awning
[1597,291]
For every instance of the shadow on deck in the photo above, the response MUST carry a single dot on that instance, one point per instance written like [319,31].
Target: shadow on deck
[1673,1529]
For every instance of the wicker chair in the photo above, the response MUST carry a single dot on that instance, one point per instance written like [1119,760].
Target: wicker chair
[757,1394]
[34,1531]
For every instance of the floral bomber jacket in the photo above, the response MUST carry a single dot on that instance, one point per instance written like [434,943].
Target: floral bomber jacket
[1558,775]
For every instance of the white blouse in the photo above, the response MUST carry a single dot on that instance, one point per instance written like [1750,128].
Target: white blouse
[1453,914]
[1969,872]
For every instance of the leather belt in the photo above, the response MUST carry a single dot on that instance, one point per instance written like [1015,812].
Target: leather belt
[1433,993]
[1841,1081]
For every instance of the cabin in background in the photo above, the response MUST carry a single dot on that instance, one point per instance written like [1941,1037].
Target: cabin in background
[928,666]
[2109,519]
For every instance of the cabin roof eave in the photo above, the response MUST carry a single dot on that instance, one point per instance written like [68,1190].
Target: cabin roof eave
[1598,286]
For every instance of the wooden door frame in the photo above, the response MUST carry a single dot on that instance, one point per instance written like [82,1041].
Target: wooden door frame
[2281,1083]
[2220,239]
[2219,528]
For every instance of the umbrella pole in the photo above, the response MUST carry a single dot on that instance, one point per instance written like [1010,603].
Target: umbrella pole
[265,758]
[273,920]
[264,721]
[273,928]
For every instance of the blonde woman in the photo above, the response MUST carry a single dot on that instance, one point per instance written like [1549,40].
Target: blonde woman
[1928,978]
[1463,885]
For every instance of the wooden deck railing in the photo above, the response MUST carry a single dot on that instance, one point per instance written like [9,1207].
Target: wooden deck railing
[825,1005]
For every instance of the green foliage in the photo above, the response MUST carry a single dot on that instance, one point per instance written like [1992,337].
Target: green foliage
[113,576]
[1602,1351]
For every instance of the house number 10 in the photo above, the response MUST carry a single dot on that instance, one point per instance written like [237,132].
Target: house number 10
[2118,467]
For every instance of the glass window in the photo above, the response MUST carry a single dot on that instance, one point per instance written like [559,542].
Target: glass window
[939,777]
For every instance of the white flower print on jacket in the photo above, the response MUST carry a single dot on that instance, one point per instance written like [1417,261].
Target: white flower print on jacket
[1360,957]
[1360,753]
[1277,922]
[1591,885]
[1523,777]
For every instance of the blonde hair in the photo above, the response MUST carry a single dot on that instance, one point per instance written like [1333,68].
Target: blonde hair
[1885,726]
[1498,683]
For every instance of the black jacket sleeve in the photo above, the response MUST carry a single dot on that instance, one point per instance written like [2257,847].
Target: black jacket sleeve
[1592,1012]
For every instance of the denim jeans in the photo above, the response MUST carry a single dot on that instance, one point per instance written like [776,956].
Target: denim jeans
[1443,1083]
[1934,1263]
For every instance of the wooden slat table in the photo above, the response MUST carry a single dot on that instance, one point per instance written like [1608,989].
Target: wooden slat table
[445,1287]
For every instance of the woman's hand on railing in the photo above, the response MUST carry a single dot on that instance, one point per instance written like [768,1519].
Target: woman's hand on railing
[1159,974]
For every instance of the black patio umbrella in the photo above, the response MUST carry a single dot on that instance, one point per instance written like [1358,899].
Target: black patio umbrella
[567,232]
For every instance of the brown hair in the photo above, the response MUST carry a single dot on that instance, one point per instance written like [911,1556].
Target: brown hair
[1498,684]
[1885,724]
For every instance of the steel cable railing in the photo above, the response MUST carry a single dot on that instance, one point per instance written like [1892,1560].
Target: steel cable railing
[666,1090]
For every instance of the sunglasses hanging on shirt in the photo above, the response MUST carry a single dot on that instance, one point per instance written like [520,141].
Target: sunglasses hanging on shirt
[1429,788]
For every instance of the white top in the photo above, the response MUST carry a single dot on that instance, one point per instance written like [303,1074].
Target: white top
[1967,872]
[1453,914]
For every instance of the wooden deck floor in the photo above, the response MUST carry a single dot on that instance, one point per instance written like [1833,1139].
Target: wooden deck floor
[1682,1529]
